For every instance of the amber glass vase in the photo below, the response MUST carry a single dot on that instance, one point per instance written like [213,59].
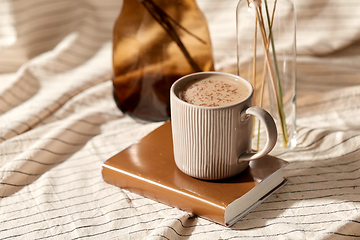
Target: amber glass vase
[155,42]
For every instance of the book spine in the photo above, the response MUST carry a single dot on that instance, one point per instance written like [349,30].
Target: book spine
[179,198]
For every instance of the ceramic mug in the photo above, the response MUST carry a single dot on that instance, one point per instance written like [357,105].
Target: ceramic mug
[215,142]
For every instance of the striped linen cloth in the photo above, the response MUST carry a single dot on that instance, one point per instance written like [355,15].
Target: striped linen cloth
[58,123]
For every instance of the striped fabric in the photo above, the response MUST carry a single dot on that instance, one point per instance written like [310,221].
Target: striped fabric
[58,123]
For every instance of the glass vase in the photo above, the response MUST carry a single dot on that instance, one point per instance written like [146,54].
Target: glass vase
[266,56]
[155,42]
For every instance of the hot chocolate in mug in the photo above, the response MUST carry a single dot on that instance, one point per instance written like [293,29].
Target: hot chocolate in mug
[211,119]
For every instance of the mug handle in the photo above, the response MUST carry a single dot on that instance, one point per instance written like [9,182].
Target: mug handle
[271,132]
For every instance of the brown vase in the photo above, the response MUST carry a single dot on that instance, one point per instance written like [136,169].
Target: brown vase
[155,42]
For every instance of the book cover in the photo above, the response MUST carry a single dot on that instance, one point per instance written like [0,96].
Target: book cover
[148,168]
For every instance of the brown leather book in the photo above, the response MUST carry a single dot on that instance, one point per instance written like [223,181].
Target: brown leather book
[148,168]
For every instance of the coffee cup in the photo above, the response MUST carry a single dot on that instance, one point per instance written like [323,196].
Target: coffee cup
[211,119]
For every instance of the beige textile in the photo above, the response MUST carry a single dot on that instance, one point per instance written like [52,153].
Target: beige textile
[58,123]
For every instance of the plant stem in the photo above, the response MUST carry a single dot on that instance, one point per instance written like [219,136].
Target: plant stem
[254,76]
[275,83]
[165,21]
[264,73]
[279,98]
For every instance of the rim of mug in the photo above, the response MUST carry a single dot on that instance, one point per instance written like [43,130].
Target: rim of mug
[191,75]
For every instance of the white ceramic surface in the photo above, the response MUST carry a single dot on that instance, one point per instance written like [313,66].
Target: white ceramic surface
[214,142]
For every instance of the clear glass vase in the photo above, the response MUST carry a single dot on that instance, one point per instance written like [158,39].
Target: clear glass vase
[266,45]
[155,42]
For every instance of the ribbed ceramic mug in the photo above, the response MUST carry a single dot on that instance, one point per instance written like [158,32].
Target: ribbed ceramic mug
[215,142]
